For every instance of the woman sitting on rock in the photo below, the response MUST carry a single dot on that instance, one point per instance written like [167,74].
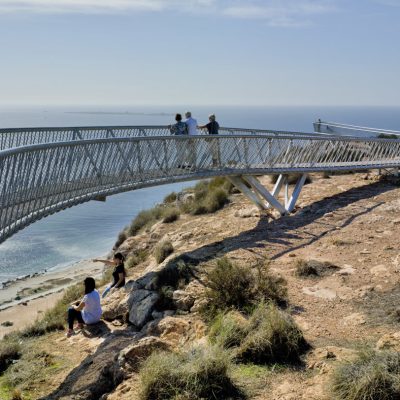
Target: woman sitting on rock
[118,274]
[88,310]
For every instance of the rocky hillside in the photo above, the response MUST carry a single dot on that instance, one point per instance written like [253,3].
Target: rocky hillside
[332,271]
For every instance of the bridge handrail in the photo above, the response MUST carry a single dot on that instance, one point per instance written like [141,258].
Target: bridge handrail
[16,137]
[40,179]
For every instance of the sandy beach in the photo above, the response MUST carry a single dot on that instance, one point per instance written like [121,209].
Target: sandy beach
[23,301]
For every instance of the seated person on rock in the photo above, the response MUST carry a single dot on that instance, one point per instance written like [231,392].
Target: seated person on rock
[88,310]
[118,274]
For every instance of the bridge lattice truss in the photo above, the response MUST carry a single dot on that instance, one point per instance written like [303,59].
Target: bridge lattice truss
[53,169]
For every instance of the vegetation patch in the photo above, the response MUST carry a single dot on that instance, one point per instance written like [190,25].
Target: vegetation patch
[314,268]
[163,250]
[268,336]
[136,258]
[373,375]
[232,286]
[171,215]
[200,373]
[10,350]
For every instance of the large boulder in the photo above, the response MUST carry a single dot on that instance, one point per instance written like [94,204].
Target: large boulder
[136,353]
[115,305]
[182,300]
[141,305]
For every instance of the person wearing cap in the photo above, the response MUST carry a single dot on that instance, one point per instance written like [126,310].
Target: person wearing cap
[212,129]
[191,124]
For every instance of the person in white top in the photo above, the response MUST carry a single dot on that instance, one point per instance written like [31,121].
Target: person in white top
[191,124]
[88,310]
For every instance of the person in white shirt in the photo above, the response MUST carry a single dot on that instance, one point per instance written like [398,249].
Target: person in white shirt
[88,310]
[191,124]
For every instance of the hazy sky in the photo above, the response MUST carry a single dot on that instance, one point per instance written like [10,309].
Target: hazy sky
[198,52]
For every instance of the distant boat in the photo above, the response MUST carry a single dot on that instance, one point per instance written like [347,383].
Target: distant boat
[335,128]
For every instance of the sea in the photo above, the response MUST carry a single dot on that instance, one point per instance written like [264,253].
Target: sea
[90,230]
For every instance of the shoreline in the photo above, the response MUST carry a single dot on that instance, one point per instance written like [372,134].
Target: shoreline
[23,300]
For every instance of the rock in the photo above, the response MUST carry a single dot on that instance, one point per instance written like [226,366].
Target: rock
[177,331]
[355,319]
[148,281]
[157,314]
[182,300]
[139,351]
[322,293]
[389,341]
[198,305]
[379,270]
[141,305]
[247,213]
[115,305]
[131,285]
[346,270]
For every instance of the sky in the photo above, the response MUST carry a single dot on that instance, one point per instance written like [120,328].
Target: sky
[200,52]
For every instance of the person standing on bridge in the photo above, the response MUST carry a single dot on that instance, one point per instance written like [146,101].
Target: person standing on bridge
[118,273]
[212,129]
[191,124]
[178,129]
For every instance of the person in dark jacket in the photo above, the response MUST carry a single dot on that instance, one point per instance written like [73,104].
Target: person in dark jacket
[212,129]
[118,273]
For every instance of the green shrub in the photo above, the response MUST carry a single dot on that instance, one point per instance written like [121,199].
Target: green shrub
[387,136]
[122,236]
[209,197]
[145,218]
[303,268]
[373,375]
[268,336]
[200,373]
[272,337]
[135,259]
[228,329]
[238,287]
[170,215]
[175,272]
[170,198]
[10,350]
[163,250]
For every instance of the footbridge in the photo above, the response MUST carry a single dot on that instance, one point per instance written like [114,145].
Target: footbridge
[43,171]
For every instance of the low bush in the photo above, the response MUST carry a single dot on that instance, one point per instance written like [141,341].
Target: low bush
[122,236]
[170,215]
[303,268]
[175,272]
[135,259]
[10,350]
[388,136]
[232,286]
[228,329]
[170,198]
[145,218]
[306,268]
[200,373]
[268,336]
[272,337]
[163,250]
[373,375]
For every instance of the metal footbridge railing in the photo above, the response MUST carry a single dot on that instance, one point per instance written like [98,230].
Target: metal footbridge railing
[40,179]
